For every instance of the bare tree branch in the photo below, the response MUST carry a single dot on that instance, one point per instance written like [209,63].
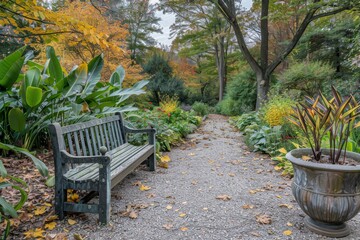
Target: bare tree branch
[37,34]
[21,15]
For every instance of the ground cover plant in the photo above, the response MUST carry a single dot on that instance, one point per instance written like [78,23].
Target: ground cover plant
[170,121]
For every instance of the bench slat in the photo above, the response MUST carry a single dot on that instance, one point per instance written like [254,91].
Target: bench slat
[90,172]
[93,140]
[106,135]
[83,146]
[70,143]
[117,136]
[91,123]
[77,145]
[88,142]
[119,131]
[99,144]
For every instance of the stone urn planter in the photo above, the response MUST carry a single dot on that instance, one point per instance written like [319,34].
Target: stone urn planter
[329,194]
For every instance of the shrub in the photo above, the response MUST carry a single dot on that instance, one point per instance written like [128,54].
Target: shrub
[170,127]
[240,95]
[276,110]
[245,120]
[162,82]
[304,78]
[266,139]
[169,105]
[200,109]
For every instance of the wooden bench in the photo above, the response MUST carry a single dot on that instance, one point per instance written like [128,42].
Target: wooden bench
[95,156]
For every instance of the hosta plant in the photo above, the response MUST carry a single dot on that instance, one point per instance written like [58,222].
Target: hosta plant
[320,116]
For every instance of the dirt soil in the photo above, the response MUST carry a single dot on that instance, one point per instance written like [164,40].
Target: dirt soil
[214,188]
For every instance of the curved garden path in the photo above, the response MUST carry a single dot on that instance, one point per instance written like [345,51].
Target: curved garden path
[213,189]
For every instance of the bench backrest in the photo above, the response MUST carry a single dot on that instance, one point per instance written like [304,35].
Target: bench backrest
[86,138]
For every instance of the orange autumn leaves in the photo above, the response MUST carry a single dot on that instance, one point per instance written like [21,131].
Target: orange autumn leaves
[78,31]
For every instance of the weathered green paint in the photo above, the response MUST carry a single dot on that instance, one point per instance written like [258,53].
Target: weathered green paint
[85,168]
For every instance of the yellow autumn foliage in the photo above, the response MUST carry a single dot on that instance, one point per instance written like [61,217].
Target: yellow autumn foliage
[169,104]
[78,32]
[276,110]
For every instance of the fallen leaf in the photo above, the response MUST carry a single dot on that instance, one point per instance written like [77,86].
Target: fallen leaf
[56,236]
[182,214]
[51,218]
[231,174]
[289,224]
[278,196]
[165,158]
[305,158]
[78,236]
[194,182]
[50,225]
[205,209]
[253,191]
[40,210]
[133,215]
[259,171]
[277,168]
[168,207]
[287,232]
[168,226]
[71,221]
[144,188]
[163,165]
[255,234]
[248,206]
[191,154]
[137,183]
[37,233]
[184,229]
[151,195]
[289,206]
[224,197]
[263,219]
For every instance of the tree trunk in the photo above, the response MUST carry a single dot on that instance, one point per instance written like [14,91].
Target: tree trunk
[220,64]
[263,86]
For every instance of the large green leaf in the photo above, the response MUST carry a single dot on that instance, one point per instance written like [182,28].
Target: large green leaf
[16,119]
[23,194]
[10,68]
[7,208]
[3,171]
[75,80]
[118,76]
[54,67]
[32,78]
[38,163]
[94,69]
[50,182]
[33,96]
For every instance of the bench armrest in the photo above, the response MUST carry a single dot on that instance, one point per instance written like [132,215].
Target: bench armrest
[150,131]
[144,130]
[69,158]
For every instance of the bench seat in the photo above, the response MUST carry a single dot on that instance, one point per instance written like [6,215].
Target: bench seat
[121,160]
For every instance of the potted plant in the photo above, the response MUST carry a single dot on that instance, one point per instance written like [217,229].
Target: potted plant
[326,182]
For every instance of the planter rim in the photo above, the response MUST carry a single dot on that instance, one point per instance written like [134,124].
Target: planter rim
[294,156]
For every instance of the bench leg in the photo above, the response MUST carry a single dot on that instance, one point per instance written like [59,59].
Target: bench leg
[104,195]
[151,162]
[60,198]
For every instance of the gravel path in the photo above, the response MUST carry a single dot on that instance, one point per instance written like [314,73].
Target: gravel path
[213,189]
